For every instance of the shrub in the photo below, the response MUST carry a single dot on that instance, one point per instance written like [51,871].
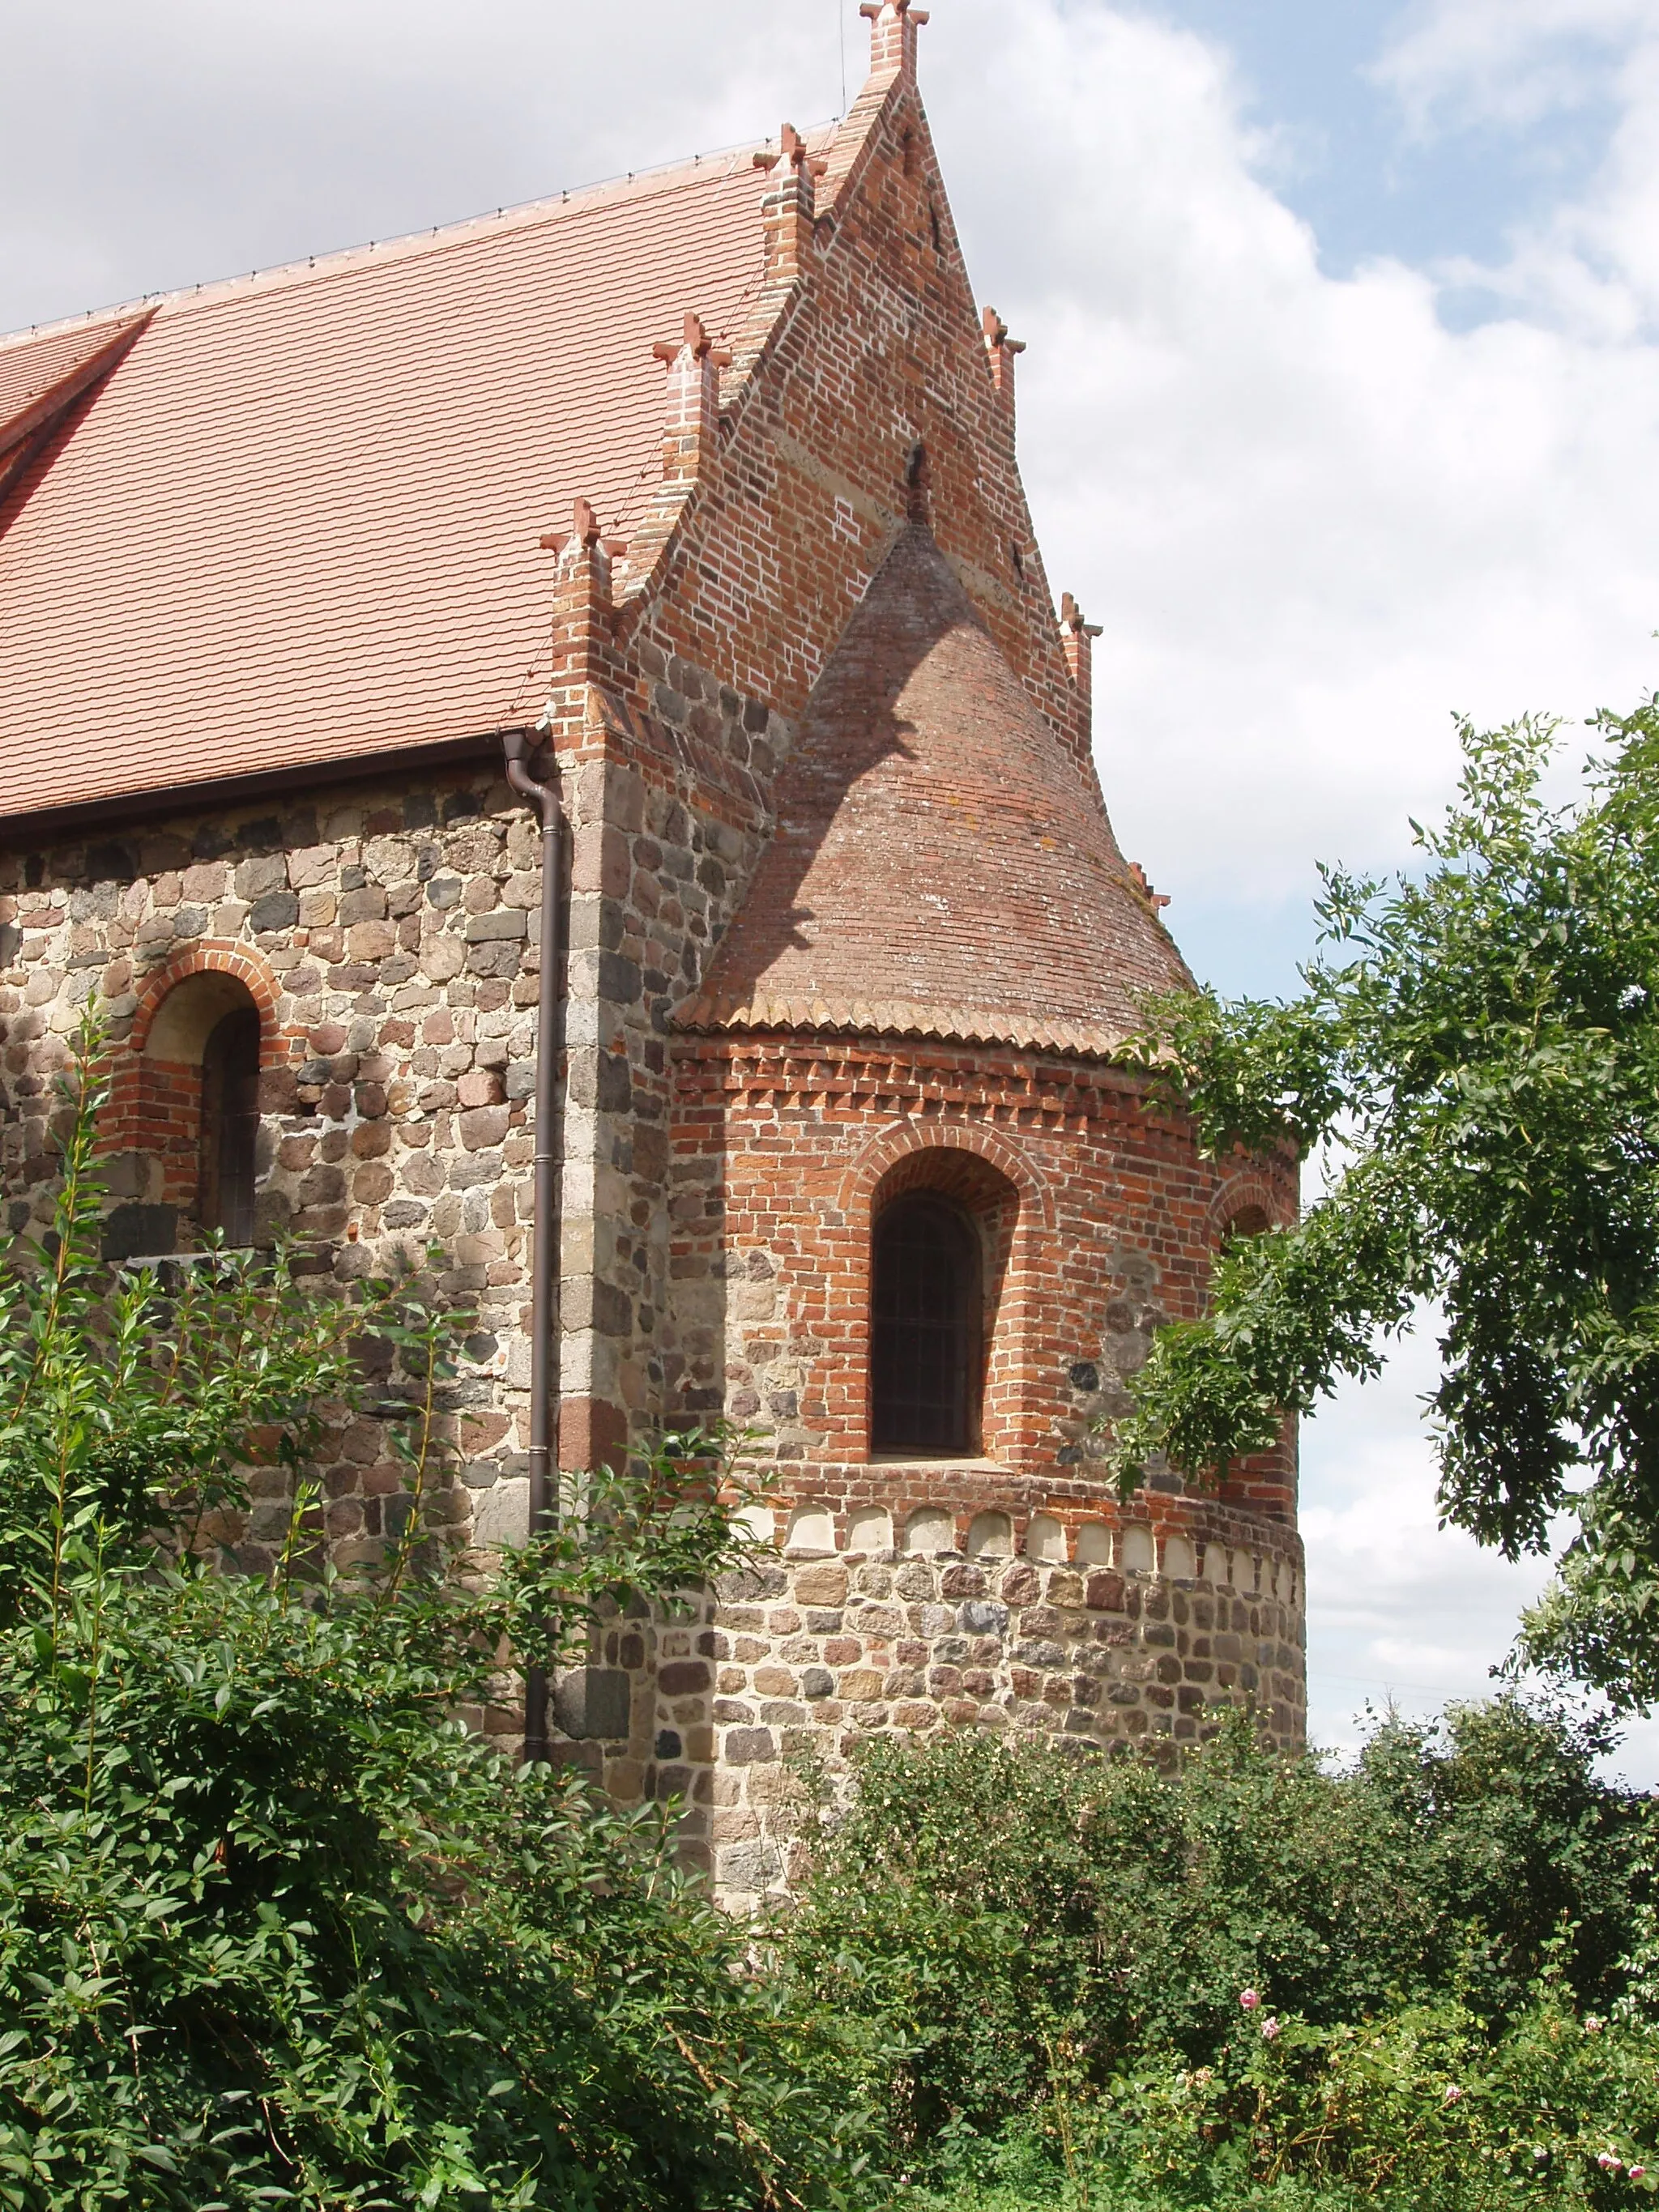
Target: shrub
[1246,1973]
[275,1927]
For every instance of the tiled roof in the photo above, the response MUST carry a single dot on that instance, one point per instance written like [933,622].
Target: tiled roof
[299,518]
[36,371]
[939,867]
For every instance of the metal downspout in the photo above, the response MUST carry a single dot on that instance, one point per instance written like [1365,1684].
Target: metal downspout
[544,1320]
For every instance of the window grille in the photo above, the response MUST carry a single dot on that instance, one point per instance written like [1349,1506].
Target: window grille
[925,1329]
[230,1125]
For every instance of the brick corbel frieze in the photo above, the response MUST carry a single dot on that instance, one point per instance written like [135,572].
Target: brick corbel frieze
[1007,1087]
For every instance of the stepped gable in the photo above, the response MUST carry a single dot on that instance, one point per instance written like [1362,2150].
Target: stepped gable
[939,867]
[298,520]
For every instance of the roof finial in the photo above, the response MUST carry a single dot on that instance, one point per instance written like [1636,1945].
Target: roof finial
[893,25]
[1154,899]
[583,637]
[787,210]
[1077,642]
[1000,349]
[695,340]
[691,425]
[584,530]
[793,148]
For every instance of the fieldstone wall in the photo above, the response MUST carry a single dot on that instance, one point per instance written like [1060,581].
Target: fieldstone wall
[669,808]
[818,1653]
[757,1700]
[386,935]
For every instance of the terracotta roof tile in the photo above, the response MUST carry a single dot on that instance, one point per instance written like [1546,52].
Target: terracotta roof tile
[36,367]
[939,867]
[299,520]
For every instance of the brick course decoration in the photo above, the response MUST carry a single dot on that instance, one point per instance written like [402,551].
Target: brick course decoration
[846,920]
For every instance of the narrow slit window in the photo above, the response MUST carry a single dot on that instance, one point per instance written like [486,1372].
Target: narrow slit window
[925,1329]
[230,1125]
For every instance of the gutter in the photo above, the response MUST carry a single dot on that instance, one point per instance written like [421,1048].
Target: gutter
[37,826]
[517,744]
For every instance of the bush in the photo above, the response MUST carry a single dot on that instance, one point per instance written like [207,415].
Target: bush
[1131,1986]
[275,1927]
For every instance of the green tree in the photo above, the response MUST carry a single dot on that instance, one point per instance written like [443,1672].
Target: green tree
[275,1928]
[1477,1046]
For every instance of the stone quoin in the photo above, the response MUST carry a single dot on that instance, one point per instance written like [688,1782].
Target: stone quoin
[709,476]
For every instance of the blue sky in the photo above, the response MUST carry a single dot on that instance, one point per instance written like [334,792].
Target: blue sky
[1340,411]
[1368,176]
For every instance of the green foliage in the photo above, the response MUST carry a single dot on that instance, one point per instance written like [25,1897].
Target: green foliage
[1420,2106]
[275,1927]
[1060,1949]
[1481,1049]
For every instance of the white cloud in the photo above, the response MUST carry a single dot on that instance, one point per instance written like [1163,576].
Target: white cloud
[1592,266]
[1400,1610]
[1313,519]
[1455,62]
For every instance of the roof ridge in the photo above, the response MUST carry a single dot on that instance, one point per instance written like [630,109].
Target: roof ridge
[571,200]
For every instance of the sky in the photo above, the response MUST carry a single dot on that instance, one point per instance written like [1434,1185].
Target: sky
[1339,413]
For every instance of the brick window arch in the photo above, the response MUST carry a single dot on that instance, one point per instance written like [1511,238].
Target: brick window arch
[1009,1209]
[927,1359]
[186,1119]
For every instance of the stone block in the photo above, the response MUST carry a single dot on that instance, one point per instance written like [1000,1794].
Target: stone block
[276,910]
[821,1585]
[593,1702]
[755,1865]
[981,1617]
[744,1747]
[1103,1593]
[506,924]
[481,1125]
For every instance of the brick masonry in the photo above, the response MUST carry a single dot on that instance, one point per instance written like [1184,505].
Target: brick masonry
[718,1187]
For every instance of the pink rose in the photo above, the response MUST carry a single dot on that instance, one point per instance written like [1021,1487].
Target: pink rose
[1637,2173]
[1608,2162]
[1269,2029]
[1250,1999]
[1453,2092]
[1592,2025]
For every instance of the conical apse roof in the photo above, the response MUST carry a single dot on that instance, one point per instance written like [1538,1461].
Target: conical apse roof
[939,867]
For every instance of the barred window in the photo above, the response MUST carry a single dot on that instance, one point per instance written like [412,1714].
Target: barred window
[230,1125]
[925,1329]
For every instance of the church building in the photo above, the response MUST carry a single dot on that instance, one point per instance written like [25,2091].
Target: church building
[674,527]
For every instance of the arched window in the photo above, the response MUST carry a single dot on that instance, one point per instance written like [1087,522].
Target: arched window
[1249,1221]
[230,1125]
[189,1107]
[924,1327]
